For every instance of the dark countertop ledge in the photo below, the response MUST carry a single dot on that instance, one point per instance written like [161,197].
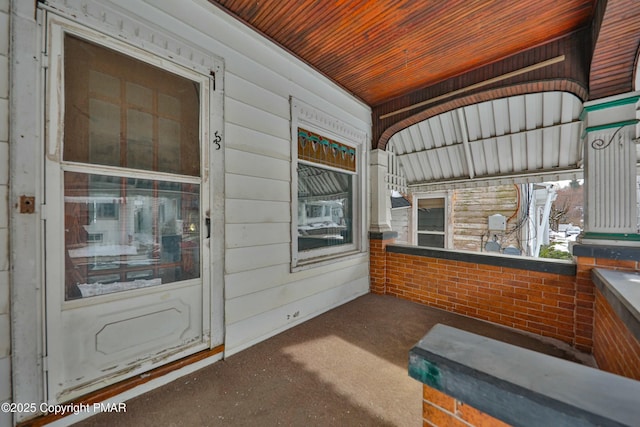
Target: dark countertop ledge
[519,386]
[543,265]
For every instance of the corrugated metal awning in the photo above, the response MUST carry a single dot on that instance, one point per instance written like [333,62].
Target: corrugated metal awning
[499,141]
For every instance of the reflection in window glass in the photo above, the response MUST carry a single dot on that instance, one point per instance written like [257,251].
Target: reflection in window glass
[431,222]
[431,240]
[128,233]
[104,133]
[325,214]
[431,214]
[123,112]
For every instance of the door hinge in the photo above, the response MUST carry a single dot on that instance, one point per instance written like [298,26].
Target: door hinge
[45,364]
[43,212]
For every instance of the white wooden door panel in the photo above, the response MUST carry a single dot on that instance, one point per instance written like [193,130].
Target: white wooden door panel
[118,338]
[128,234]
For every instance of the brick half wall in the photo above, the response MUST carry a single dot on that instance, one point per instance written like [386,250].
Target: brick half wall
[539,302]
[615,348]
[556,299]
[439,409]
[378,242]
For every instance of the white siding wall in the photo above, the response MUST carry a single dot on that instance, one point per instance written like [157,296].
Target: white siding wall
[262,296]
[5,338]
[400,224]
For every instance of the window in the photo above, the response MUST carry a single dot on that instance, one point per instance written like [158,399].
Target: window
[325,199]
[431,221]
[125,229]
[327,207]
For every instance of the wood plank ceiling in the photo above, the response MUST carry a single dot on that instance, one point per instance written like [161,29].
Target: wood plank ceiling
[411,60]
[379,50]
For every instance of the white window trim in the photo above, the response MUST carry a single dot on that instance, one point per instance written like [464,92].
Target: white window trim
[305,116]
[448,226]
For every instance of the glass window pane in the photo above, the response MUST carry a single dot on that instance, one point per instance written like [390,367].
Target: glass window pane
[116,109]
[128,233]
[139,140]
[169,106]
[169,150]
[325,214]
[431,214]
[139,96]
[103,85]
[431,240]
[104,133]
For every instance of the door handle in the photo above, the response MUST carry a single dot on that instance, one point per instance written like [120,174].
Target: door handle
[207,222]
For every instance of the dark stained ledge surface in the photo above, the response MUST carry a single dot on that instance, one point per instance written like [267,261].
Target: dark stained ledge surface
[619,253]
[565,268]
[519,386]
[382,235]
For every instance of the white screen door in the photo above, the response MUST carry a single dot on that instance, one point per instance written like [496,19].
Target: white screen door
[127,197]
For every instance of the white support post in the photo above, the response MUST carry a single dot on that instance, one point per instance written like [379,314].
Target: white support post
[542,220]
[610,170]
[380,195]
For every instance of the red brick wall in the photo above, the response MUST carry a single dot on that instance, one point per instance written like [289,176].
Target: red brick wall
[562,307]
[586,296]
[541,303]
[378,265]
[439,409]
[615,348]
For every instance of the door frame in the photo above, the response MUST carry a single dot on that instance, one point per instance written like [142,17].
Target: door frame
[28,125]
[212,166]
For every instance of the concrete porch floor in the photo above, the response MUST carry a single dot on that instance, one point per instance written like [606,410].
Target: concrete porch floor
[346,367]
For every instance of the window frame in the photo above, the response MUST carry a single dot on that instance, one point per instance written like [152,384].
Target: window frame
[56,164]
[311,119]
[448,224]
